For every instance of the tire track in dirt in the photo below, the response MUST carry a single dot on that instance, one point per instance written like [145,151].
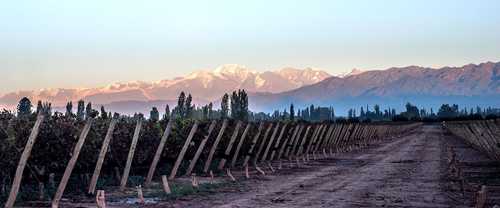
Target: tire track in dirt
[404,172]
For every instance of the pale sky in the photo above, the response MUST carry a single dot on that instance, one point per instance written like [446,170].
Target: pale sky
[94,42]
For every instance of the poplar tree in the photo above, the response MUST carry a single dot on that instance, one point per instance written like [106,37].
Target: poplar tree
[80,113]
[24,107]
[224,106]
[154,114]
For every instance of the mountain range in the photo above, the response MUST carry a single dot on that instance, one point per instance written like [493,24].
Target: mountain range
[204,85]
[469,85]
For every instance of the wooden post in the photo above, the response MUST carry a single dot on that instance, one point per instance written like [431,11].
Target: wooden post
[286,144]
[183,151]
[296,141]
[264,156]
[292,141]
[166,187]
[301,147]
[252,146]
[194,181]
[276,146]
[247,174]
[140,195]
[22,162]
[323,138]
[315,135]
[130,157]
[228,172]
[481,197]
[229,147]
[211,177]
[159,150]
[41,191]
[260,170]
[102,155]
[200,148]
[262,144]
[270,167]
[214,146]
[240,143]
[100,199]
[52,183]
[71,164]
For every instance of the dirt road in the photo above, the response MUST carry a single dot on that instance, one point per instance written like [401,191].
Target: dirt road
[402,172]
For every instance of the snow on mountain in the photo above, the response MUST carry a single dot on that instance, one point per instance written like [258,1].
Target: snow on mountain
[204,85]
[469,85]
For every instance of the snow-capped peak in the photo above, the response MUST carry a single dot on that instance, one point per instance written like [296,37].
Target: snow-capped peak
[350,73]
[233,71]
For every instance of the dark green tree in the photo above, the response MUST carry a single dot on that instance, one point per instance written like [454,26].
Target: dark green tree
[39,107]
[376,108]
[104,115]
[292,112]
[88,110]
[24,107]
[179,110]
[210,111]
[224,106]
[154,114]
[80,113]
[166,116]
[243,99]
[235,105]
[69,109]
[188,111]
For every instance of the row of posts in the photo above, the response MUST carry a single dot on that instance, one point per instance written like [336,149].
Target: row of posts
[272,141]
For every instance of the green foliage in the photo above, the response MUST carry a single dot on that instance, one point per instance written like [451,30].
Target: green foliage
[69,109]
[154,115]
[239,105]
[24,107]
[104,115]
[80,113]
[224,106]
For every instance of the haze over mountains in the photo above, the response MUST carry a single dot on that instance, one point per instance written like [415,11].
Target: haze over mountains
[205,86]
[469,85]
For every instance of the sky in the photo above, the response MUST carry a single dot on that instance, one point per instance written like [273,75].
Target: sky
[53,43]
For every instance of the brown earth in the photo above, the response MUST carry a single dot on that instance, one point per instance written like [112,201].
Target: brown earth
[405,172]
[409,171]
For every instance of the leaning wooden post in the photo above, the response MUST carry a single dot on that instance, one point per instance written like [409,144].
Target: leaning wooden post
[240,143]
[322,145]
[292,141]
[159,150]
[130,157]
[102,155]
[22,162]
[100,199]
[481,197]
[252,146]
[229,147]
[312,141]
[71,164]
[302,143]
[271,140]
[200,148]
[261,147]
[183,151]
[214,146]
[276,146]
[166,187]
[288,142]
[293,148]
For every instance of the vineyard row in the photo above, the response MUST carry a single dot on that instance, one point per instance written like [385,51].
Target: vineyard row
[209,146]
